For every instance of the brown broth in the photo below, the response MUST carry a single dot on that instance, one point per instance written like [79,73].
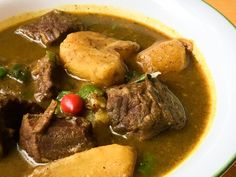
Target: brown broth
[190,86]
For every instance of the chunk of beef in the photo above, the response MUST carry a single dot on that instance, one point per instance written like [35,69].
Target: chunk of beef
[167,56]
[142,110]
[1,147]
[5,141]
[96,57]
[1,137]
[43,74]
[46,137]
[12,110]
[50,27]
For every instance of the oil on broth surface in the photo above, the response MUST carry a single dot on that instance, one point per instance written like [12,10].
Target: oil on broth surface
[190,86]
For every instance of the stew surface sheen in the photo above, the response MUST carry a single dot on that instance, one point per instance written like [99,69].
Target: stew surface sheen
[190,86]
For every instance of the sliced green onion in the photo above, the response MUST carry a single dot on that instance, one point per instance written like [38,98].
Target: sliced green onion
[147,76]
[20,73]
[51,56]
[58,108]
[132,75]
[3,72]
[147,164]
[61,94]
[141,78]
[86,90]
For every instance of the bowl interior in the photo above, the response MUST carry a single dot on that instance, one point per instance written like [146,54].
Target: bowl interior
[215,38]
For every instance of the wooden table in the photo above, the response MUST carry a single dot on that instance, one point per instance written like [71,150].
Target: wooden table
[228,9]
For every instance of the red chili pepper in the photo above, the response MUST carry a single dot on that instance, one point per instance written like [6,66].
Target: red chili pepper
[71,104]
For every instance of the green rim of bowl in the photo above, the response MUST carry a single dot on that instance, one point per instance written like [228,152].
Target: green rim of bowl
[223,169]
[230,162]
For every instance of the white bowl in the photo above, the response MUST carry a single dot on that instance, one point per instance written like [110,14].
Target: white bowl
[214,36]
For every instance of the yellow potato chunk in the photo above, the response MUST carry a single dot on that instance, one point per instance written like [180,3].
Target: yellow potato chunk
[104,161]
[168,56]
[96,57]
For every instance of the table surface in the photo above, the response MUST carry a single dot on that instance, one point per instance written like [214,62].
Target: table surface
[228,9]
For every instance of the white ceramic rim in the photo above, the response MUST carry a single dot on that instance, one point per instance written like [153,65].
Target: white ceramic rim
[215,37]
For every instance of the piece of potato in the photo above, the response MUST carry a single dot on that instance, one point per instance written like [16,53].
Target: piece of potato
[167,56]
[104,161]
[96,57]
